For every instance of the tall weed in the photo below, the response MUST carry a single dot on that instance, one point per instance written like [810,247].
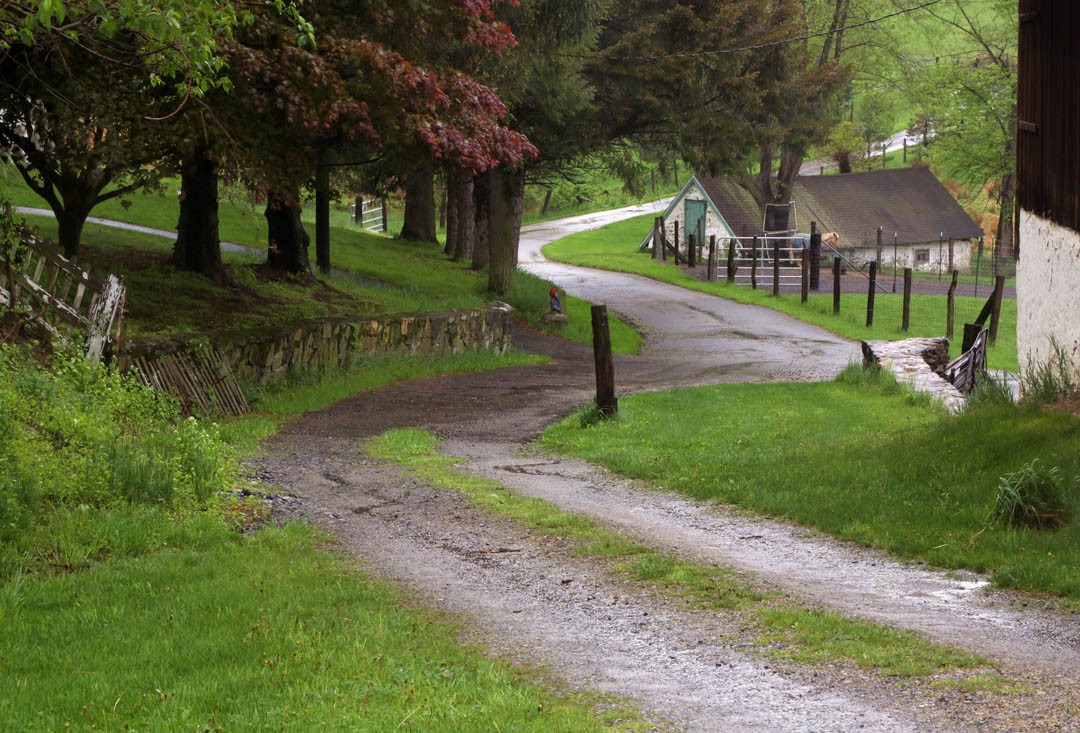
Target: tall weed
[1043,383]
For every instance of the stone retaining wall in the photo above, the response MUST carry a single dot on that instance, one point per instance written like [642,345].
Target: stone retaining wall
[261,356]
[919,363]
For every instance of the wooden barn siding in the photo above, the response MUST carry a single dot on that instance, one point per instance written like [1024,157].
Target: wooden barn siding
[1048,140]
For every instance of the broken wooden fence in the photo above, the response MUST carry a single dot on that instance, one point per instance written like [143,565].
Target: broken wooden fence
[62,297]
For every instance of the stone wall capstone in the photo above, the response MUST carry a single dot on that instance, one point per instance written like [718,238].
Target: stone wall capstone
[919,363]
[265,355]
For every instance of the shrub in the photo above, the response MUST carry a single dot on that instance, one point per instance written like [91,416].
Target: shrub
[1031,497]
[82,435]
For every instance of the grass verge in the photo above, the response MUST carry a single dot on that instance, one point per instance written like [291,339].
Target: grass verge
[857,458]
[785,629]
[615,247]
[226,632]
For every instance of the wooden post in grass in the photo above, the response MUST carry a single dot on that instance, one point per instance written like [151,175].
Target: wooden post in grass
[870,295]
[605,364]
[657,245]
[753,266]
[712,258]
[731,245]
[995,315]
[676,248]
[691,250]
[950,308]
[836,274]
[906,326]
[776,267]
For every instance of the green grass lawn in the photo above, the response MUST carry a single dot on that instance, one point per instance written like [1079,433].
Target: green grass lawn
[223,631]
[615,247]
[870,466]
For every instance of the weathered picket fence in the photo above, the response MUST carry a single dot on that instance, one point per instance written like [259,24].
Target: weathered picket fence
[61,297]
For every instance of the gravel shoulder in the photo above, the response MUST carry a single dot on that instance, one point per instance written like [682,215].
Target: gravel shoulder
[531,600]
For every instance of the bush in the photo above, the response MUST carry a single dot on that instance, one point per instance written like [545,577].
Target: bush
[1031,497]
[82,435]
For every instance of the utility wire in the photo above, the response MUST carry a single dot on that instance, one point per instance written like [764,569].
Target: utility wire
[770,44]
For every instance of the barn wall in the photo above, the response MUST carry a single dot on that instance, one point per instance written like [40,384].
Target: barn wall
[1047,290]
[905,256]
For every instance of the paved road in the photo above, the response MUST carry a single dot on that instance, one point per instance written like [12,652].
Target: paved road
[701,337]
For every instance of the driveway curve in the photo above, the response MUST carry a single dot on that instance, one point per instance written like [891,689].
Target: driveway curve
[526,598]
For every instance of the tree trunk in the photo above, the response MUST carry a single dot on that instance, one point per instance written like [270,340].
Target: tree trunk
[480,254]
[287,245]
[198,244]
[506,197]
[322,218]
[466,218]
[791,160]
[420,206]
[451,215]
[70,221]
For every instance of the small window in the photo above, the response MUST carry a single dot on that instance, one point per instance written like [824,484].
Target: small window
[922,255]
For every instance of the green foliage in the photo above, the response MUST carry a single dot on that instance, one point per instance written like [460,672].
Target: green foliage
[81,435]
[1031,497]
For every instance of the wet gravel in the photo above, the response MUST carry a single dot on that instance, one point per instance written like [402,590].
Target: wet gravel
[531,600]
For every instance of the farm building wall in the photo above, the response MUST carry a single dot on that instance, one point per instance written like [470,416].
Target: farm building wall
[714,225]
[1047,296]
[929,257]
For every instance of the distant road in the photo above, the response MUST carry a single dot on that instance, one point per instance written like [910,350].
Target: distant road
[896,142]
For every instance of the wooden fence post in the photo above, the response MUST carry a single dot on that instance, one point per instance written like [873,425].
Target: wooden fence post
[995,315]
[870,295]
[950,308]
[691,250]
[712,258]
[605,365]
[805,275]
[700,239]
[657,245]
[753,265]
[836,274]
[731,245]
[776,267]
[676,241]
[906,324]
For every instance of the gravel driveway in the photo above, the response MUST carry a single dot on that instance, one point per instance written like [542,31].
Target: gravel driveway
[528,599]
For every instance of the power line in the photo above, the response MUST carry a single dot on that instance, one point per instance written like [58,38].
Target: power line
[770,44]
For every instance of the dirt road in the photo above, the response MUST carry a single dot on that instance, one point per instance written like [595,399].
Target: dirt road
[528,599]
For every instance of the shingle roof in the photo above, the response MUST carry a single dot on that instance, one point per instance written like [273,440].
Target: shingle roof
[908,201]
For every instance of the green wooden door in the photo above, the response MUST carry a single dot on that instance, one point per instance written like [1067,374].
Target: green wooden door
[695,214]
